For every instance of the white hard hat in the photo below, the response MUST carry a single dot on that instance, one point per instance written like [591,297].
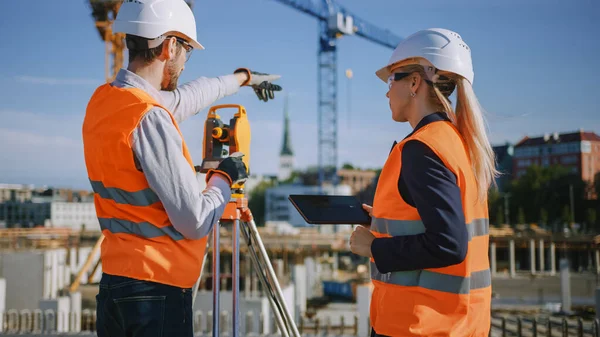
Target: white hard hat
[442,48]
[153,18]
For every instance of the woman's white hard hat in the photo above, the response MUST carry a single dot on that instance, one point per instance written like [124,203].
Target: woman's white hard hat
[441,48]
[151,19]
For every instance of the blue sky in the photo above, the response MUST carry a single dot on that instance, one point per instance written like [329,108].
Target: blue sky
[534,62]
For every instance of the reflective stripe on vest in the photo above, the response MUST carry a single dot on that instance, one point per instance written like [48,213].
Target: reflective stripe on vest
[477,227]
[143,229]
[435,281]
[145,197]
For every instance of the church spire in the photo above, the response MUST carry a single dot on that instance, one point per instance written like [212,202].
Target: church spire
[286,148]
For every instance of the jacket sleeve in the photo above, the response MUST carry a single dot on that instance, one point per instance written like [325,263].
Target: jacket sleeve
[438,200]
[158,149]
[189,98]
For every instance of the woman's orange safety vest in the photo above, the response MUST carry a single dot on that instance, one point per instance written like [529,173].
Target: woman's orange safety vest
[140,241]
[449,301]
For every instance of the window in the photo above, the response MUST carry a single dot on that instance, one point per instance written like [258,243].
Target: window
[586,147]
[568,159]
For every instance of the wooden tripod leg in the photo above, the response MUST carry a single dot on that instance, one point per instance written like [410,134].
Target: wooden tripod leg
[91,275]
[86,265]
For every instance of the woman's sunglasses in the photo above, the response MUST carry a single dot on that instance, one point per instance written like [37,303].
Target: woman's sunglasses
[396,77]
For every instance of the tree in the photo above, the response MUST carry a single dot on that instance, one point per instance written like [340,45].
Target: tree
[495,203]
[548,188]
[499,216]
[348,166]
[257,202]
[521,216]
[591,218]
[566,215]
[543,216]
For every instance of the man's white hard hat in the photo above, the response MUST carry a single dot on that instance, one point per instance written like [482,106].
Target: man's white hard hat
[441,48]
[153,18]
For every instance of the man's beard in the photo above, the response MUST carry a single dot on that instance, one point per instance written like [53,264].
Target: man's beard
[173,77]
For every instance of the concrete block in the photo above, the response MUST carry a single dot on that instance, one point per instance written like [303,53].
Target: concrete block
[2,302]
[75,312]
[61,306]
[565,285]
[299,279]
[598,303]
[311,276]
[24,274]
[363,304]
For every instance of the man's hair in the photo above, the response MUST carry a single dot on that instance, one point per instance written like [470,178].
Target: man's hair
[138,48]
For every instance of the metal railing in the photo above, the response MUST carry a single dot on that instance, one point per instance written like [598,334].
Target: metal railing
[523,326]
[50,323]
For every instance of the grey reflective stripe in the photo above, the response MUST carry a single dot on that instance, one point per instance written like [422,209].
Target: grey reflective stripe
[143,229]
[397,227]
[145,197]
[435,281]
[477,227]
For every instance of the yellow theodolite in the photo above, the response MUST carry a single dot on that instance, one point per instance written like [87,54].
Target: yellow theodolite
[236,136]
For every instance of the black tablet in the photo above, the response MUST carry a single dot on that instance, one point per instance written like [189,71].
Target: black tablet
[330,209]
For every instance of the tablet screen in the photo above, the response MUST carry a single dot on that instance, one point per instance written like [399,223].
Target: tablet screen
[330,209]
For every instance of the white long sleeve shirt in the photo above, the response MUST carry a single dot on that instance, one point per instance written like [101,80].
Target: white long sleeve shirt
[158,149]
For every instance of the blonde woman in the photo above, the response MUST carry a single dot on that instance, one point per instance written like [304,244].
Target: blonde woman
[428,241]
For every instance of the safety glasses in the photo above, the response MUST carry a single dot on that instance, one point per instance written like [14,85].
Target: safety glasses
[396,77]
[188,47]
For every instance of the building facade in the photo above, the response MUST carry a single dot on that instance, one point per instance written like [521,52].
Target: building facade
[579,151]
[23,214]
[15,192]
[76,215]
[24,206]
[358,180]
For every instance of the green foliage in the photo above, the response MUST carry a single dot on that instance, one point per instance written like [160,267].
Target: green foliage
[544,216]
[499,217]
[521,218]
[566,214]
[591,217]
[542,194]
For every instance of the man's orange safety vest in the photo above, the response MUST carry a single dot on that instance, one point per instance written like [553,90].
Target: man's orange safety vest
[449,301]
[140,241]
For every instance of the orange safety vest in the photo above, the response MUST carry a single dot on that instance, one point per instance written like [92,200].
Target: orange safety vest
[140,241]
[449,301]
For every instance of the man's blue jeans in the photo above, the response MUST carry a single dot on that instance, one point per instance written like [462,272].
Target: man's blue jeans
[127,307]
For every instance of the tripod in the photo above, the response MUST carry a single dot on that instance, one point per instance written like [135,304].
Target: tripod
[240,216]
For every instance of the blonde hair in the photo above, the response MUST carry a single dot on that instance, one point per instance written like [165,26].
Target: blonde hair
[468,119]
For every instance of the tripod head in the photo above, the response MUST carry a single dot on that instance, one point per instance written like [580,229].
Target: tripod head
[220,140]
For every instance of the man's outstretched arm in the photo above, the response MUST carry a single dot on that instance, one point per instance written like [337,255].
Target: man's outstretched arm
[189,98]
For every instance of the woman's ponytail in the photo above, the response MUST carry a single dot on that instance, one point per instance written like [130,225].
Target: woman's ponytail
[472,127]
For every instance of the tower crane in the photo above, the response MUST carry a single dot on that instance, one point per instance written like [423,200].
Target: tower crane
[334,21]
[104,13]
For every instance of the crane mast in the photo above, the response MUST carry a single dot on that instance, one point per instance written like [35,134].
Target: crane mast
[334,22]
